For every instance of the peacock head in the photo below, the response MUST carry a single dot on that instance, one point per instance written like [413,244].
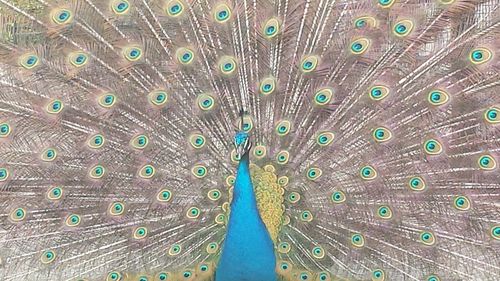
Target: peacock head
[242,143]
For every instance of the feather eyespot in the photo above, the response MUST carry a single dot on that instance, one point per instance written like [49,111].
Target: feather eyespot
[114,276]
[433,147]
[309,63]
[158,98]
[78,59]
[174,8]
[323,96]
[140,232]
[417,183]
[282,157]
[368,173]
[480,55]
[55,193]
[378,275]
[62,16]
[107,101]
[212,247]
[495,232]
[283,181]
[184,56]
[271,28]
[318,252]
[116,208]
[487,162]
[29,61]
[97,172]
[205,102]
[73,220]
[48,257]
[214,194]
[132,53]
[193,213]
[120,7]
[365,21]
[54,107]
[403,28]
[359,46]
[283,128]
[386,3]
[259,151]
[384,212]
[4,174]
[314,173]
[378,92]
[220,219]
[306,216]
[438,97]
[227,65]
[164,195]
[18,214]
[199,171]
[381,134]
[492,115]
[461,203]
[49,155]
[267,86]
[427,238]
[96,141]
[293,197]
[358,240]
[174,250]
[222,13]
[338,197]
[147,171]
[432,277]
[324,276]
[139,141]
[284,247]
[5,130]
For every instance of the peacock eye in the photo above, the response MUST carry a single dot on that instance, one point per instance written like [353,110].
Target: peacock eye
[323,96]
[185,56]
[359,46]
[357,240]
[487,162]
[282,157]
[378,275]
[140,232]
[283,128]
[18,214]
[214,194]
[197,141]
[368,173]
[73,220]
[492,115]
[205,102]
[78,59]
[495,232]
[461,203]
[338,197]
[309,63]
[187,274]
[97,172]
[417,184]
[480,55]
[432,278]
[318,252]
[271,28]
[427,238]
[293,197]
[48,256]
[222,13]
[139,141]
[174,8]
[438,97]
[385,3]
[116,208]
[61,16]
[365,21]
[4,130]
[96,141]
[49,155]
[120,7]
[306,216]
[384,212]
[199,171]
[164,195]
[267,86]
[4,174]
[132,53]
[246,125]
[324,276]
[107,101]
[29,61]
[283,181]
[114,276]
[381,134]
[55,193]
[284,248]
[212,247]
[54,107]
[403,28]
[147,171]
[227,65]
[378,92]
[433,147]
[158,98]
[259,151]
[193,212]
[314,173]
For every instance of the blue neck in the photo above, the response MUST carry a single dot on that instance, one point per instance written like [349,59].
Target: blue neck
[248,251]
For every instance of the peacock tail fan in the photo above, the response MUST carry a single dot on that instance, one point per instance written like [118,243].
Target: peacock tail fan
[374,129]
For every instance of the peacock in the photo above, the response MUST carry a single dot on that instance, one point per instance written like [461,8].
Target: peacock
[249,140]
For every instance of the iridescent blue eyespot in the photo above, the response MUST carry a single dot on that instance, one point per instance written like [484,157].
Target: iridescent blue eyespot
[378,275]
[272,28]
[4,130]
[492,115]
[359,46]
[48,256]
[29,60]
[222,13]
[132,53]
[120,7]
[437,97]
[385,3]
[61,16]
[55,106]
[403,28]
[4,174]
[487,162]
[174,8]
[78,59]
[480,55]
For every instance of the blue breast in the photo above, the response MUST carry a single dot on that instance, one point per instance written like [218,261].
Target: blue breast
[248,251]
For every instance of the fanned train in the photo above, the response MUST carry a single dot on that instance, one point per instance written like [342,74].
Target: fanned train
[249,140]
